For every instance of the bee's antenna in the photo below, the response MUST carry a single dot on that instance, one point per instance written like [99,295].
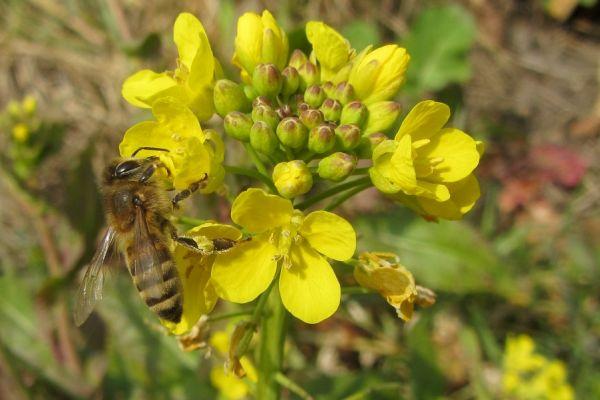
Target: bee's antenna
[149,148]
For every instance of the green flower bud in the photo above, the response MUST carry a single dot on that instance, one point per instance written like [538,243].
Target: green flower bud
[237,125]
[337,166]
[369,142]
[348,136]
[229,96]
[265,114]
[355,113]
[262,101]
[309,75]
[344,92]
[291,81]
[266,79]
[329,89]
[250,92]
[382,116]
[331,109]
[263,138]
[321,139]
[314,96]
[292,133]
[311,117]
[292,178]
[297,59]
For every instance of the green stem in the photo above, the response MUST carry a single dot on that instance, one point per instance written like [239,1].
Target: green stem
[221,317]
[257,314]
[332,192]
[343,197]
[272,338]
[366,393]
[251,173]
[360,171]
[292,386]
[260,166]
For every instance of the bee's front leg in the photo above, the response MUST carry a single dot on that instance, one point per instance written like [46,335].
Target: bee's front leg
[184,194]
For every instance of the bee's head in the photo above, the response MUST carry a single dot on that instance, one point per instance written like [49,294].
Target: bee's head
[131,168]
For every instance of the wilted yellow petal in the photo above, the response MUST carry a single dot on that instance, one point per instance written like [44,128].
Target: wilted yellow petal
[458,152]
[140,87]
[258,211]
[329,234]
[242,273]
[424,120]
[309,289]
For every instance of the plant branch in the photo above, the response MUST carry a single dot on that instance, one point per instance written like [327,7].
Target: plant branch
[343,197]
[252,174]
[332,192]
[292,386]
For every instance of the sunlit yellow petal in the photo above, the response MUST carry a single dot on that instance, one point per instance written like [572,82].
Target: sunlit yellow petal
[229,385]
[213,230]
[258,211]
[248,41]
[331,49]
[463,195]
[242,273]
[187,32]
[329,234]
[393,168]
[143,85]
[176,119]
[458,152]
[309,289]
[424,120]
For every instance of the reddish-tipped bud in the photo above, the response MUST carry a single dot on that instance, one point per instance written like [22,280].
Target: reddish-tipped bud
[331,109]
[292,133]
[321,139]
[263,138]
[311,117]
[309,75]
[291,81]
[266,79]
[355,113]
[369,142]
[297,59]
[229,96]
[348,136]
[314,96]
[237,125]
[265,114]
[344,92]
[336,167]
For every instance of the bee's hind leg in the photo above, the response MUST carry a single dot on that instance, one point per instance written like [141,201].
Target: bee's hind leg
[184,194]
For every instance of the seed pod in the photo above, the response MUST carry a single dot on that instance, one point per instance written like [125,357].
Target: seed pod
[311,117]
[237,125]
[266,79]
[337,166]
[263,138]
[292,178]
[355,113]
[291,81]
[348,136]
[229,96]
[321,139]
[314,96]
[265,114]
[331,109]
[292,133]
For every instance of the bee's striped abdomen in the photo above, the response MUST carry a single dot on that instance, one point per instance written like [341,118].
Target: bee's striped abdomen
[163,296]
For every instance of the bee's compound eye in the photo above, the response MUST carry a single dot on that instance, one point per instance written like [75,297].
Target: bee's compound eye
[126,168]
[137,201]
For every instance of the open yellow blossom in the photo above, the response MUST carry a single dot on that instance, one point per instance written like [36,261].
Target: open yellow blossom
[428,167]
[382,272]
[378,74]
[191,82]
[308,286]
[199,295]
[192,155]
[331,50]
[259,40]
[228,384]
[528,375]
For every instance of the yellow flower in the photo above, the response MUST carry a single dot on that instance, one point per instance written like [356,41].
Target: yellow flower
[308,286]
[225,380]
[199,295]
[531,376]
[191,82]
[192,154]
[292,178]
[426,167]
[382,272]
[377,75]
[331,50]
[259,40]
[20,132]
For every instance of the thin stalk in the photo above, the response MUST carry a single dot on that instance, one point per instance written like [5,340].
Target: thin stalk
[272,338]
[360,171]
[331,192]
[190,221]
[292,386]
[260,166]
[343,197]
[251,173]
[235,314]
[256,317]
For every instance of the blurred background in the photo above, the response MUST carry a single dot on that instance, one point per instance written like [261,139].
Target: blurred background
[521,75]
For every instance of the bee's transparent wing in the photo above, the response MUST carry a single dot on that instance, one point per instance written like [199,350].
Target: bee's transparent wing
[90,290]
[146,262]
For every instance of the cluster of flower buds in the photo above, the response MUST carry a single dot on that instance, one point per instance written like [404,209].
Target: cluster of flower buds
[290,115]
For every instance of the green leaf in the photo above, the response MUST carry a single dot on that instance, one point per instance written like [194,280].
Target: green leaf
[438,43]
[360,34]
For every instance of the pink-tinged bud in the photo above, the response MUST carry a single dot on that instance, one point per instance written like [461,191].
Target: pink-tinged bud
[348,136]
[292,133]
[263,138]
[266,114]
[321,139]
[266,79]
[355,113]
[237,125]
[337,166]
[311,117]
[309,75]
[329,89]
[291,81]
[314,96]
[344,92]
[331,109]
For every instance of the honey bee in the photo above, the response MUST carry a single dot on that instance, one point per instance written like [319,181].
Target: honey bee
[137,207]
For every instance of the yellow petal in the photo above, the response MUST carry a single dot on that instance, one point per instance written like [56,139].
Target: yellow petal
[331,49]
[458,152]
[463,196]
[436,191]
[176,120]
[329,234]
[248,41]
[143,85]
[187,35]
[275,52]
[309,289]
[230,386]
[214,230]
[393,168]
[258,211]
[193,165]
[242,273]
[424,120]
